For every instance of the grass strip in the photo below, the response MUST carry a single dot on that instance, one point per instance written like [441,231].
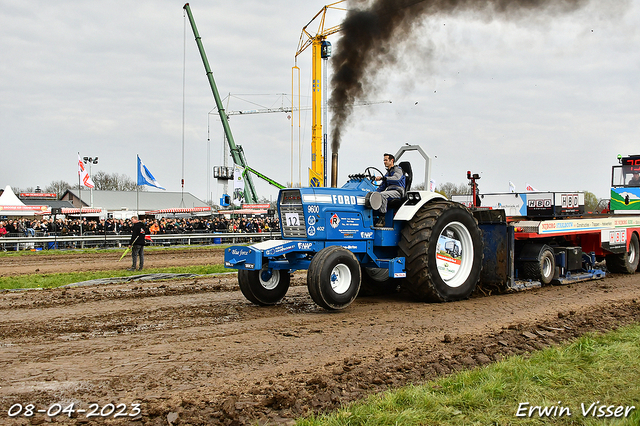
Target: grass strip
[60,252]
[60,279]
[582,383]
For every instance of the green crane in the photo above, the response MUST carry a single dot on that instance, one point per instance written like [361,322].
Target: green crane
[236,151]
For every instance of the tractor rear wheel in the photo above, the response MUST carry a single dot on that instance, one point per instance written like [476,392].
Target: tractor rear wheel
[433,273]
[627,262]
[264,287]
[333,278]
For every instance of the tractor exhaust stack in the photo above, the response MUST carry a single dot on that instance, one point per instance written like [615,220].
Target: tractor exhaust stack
[334,169]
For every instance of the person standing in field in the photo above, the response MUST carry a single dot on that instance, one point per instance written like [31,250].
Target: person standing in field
[136,243]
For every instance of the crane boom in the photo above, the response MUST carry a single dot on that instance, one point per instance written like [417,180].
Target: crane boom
[236,150]
[266,178]
[289,109]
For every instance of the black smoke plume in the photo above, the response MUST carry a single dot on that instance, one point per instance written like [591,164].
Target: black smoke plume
[373,30]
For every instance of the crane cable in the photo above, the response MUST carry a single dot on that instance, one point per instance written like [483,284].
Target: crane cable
[184,67]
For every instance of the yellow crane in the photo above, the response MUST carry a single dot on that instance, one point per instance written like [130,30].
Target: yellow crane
[321,49]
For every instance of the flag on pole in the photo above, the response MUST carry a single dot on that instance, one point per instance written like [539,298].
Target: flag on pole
[145,177]
[238,178]
[512,187]
[238,185]
[531,188]
[432,185]
[84,175]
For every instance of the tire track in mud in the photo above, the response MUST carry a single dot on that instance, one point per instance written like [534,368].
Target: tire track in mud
[115,315]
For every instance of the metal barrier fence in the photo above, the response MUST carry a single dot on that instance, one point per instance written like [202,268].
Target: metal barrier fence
[53,242]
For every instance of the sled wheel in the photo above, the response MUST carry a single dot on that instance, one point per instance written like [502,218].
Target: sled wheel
[264,287]
[544,268]
[376,282]
[433,274]
[627,262]
[333,278]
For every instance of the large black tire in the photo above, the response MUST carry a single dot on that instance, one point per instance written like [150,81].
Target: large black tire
[376,282]
[627,262]
[265,287]
[433,275]
[544,268]
[333,278]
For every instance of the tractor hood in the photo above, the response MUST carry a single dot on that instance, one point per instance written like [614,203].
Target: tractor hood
[326,213]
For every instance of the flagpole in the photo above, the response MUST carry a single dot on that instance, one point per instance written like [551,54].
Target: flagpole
[137,186]
[80,189]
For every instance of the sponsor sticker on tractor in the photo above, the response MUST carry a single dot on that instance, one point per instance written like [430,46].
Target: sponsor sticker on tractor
[334,221]
[448,256]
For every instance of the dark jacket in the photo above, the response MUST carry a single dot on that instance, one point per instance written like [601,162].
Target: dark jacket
[394,179]
[137,234]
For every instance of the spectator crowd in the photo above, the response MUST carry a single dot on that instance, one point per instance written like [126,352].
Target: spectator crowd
[67,226]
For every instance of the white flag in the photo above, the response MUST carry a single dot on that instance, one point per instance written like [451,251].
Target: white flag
[238,179]
[238,185]
[84,175]
[432,185]
[512,187]
[531,188]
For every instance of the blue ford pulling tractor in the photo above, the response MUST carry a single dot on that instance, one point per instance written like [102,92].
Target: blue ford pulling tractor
[439,249]
[431,246]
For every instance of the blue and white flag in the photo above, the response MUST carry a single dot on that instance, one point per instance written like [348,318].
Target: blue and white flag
[145,177]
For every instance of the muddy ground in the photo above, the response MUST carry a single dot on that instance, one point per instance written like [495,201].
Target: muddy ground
[45,262]
[196,352]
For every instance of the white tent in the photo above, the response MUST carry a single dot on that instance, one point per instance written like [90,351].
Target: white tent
[10,205]
[8,198]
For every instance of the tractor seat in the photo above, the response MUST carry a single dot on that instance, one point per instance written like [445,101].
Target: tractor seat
[408,179]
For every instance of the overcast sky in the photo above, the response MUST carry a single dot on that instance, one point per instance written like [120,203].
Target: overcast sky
[545,101]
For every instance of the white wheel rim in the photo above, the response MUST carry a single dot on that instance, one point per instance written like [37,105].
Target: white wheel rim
[340,278]
[272,282]
[454,270]
[632,252]
[546,267]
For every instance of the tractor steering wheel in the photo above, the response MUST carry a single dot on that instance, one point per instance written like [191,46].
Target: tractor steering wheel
[370,174]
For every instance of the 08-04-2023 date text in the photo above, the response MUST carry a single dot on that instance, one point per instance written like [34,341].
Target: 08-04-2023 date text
[93,410]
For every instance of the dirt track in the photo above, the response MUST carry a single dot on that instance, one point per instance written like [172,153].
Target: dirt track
[196,352]
[44,263]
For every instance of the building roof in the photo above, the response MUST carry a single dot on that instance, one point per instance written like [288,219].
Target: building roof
[51,203]
[128,200]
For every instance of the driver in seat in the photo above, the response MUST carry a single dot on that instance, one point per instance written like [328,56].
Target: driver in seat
[392,186]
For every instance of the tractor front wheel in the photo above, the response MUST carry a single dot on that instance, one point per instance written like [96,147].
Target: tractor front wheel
[442,245]
[264,287]
[333,278]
